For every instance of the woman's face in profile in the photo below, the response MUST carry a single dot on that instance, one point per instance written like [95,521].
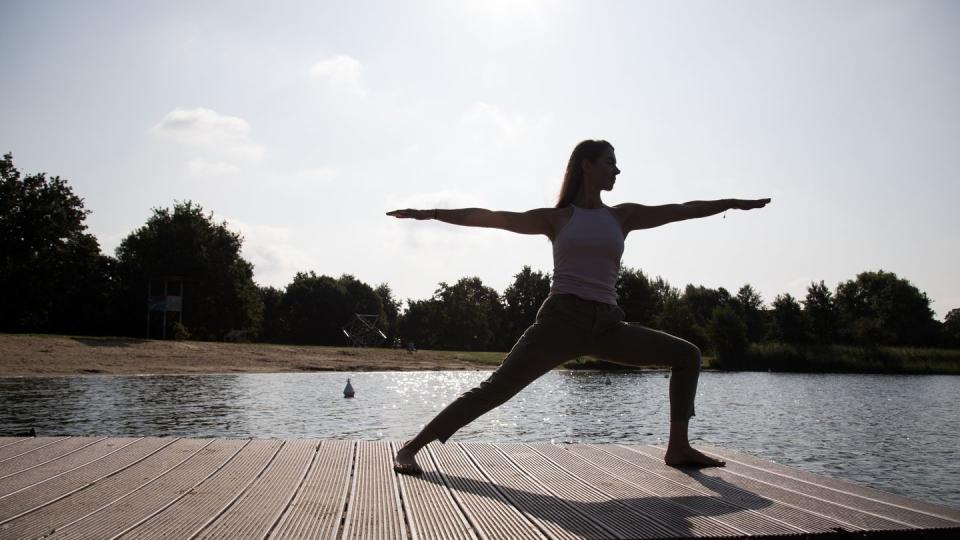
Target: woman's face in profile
[603,172]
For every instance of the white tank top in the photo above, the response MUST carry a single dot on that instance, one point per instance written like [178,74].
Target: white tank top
[586,255]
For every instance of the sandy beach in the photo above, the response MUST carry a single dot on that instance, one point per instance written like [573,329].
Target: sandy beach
[31,355]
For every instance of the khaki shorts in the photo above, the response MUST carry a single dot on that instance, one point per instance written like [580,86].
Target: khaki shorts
[567,327]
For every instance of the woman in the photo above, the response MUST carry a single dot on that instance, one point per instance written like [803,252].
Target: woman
[580,316]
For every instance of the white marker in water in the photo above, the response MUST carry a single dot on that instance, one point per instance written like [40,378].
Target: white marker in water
[348,391]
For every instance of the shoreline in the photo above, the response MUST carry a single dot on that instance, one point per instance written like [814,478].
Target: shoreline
[39,355]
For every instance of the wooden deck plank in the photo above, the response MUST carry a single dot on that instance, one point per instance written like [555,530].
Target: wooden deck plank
[641,466]
[62,465]
[558,517]
[485,507]
[7,441]
[429,506]
[26,446]
[657,500]
[738,514]
[916,511]
[635,516]
[69,488]
[259,508]
[45,455]
[202,504]
[373,509]
[319,504]
[47,519]
[140,505]
[849,518]
[75,479]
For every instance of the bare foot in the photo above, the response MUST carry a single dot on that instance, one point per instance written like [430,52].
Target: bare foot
[404,462]
[689,457]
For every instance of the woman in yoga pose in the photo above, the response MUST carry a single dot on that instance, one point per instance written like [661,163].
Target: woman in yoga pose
[580,316]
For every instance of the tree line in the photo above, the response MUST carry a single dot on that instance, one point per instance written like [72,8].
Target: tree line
[55,279]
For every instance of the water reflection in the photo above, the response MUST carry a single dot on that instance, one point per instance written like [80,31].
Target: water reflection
[897,433]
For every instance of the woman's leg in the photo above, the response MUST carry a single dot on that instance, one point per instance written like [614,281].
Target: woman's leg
[549,342]
[639,346]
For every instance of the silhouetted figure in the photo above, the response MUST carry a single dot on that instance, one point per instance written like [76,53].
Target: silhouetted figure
[580,316]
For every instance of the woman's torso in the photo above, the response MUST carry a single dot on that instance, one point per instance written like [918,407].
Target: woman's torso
[587,248]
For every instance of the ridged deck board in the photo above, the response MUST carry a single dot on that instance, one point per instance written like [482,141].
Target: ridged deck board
[32,444]
[737,512]
[45,454]
[482,502]
[11,482]
[204,503]
[298,488]
[152,498]
[557,517]
[49,518]
[430,509]
[847,517]
[373,509]
[75,480]
[917,512]
[259,508]
[319,505]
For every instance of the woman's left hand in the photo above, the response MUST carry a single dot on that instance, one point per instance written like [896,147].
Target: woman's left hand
[749,204]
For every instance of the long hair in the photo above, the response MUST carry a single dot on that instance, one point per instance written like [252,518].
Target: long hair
[573,177]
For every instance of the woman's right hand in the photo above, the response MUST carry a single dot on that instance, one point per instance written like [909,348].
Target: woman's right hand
[409,213]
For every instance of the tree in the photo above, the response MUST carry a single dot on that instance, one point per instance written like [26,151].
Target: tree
[787,322]
[821,313]
[420,323]
[951,327]
[391,312]
[522,300]
[638,298]
[52,274]
[470,315]
[750,306]
[315,309]
[218,290]
[879,308]
[729,336]
[273,329]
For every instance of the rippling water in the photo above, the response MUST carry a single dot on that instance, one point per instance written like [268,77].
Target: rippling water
[896,433]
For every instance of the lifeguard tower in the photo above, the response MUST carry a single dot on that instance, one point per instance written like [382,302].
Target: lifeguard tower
[164,305]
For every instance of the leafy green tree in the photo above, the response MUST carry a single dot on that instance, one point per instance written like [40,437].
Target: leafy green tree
[821,313]
[470,315]
[702,301]
[749,304]
[219,294]
[420,324]
[951,327]
[879,308]
[391,313]
[52,274]
[728,333]
[273,329]
[315,309]
[788,323]
[522,300]
[677,319]
[637,296]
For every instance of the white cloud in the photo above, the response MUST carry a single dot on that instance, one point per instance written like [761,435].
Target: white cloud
[341,73]
[206,130]
[271,250]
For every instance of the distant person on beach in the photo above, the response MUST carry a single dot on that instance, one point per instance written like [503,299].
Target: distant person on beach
[580,316]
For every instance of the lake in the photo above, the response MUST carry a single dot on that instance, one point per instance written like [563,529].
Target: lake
[892,432]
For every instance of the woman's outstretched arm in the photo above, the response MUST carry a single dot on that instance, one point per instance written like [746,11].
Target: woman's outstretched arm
[638,216]
[537,221]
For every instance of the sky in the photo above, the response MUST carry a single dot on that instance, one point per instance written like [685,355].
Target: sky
[301,123]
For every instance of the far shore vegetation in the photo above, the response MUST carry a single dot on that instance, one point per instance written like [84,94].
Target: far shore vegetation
[181,276]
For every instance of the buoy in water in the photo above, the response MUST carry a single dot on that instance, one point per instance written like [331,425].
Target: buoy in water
[607,381]
[348,390]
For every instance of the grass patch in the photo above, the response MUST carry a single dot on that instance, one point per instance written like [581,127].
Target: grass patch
[846,359]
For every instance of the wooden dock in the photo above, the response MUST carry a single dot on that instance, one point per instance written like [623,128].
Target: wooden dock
[101,488]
